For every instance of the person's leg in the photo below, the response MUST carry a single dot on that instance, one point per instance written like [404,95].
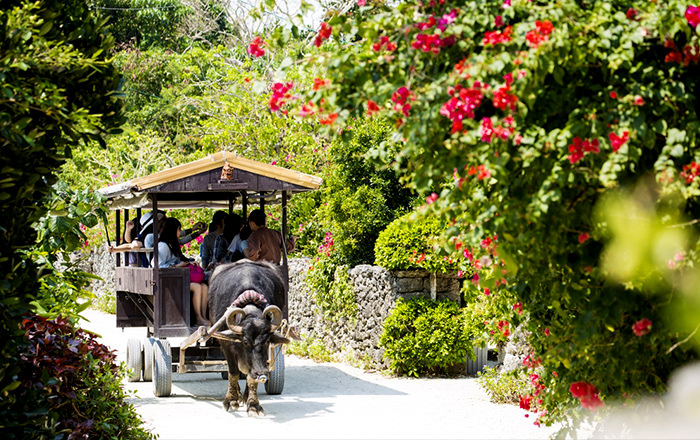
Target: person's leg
[205,301]
[196,290]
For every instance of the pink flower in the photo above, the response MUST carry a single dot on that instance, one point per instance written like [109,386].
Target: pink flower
[583,237]
[587,394]
[547,332]
[431,198]
[617,141]
[692,14]
[641,327]
[631,14]
[255,47]
[486,130]
[498,22]
[361,3]
[487,292]
[199,239]
[638,101]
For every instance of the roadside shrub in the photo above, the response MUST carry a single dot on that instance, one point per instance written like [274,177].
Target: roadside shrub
[424,337]
[506,387]
[332,291]
[70,387]
[311,347]
[412,243]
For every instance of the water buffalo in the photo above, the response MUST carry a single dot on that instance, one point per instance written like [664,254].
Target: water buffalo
[256,290]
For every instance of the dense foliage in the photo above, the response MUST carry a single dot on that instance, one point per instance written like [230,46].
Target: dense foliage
[424,337]
[57,92]
[526,114]
[70,387]
[411,242]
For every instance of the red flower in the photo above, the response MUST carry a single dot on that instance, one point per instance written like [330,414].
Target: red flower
[613,94]
[323,34]
[280,95]
[330,119]
[254,47]
[400,99]
[631,14]
[498,22]
[617,141]
[547,332]
[641,327]
[580,147]
[318,83]
[502,98]
[307,109]
[638,100]
[384,43]
[372,108]
[525,402]
[540,34]
[495,37]
[583,237]
[586,393]
[692,14]
[690,172]
[518,307]
[503,327]
[462,104]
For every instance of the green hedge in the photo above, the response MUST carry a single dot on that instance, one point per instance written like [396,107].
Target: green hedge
[424,337]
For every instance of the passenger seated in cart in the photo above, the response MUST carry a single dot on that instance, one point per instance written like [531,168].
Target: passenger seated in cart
[264,243]
[170,255]
[131,232]
[223,241]
[216,228]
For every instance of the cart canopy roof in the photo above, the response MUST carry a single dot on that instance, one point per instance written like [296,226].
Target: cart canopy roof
[200,184]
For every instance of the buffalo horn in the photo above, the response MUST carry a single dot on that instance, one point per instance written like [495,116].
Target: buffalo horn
[275,315]
[231,320]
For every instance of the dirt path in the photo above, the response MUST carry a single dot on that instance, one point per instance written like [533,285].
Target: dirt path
[329,401]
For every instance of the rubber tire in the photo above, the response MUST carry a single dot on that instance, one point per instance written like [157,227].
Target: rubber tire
[162,368]
[134,359]
[275,384]
[148,359]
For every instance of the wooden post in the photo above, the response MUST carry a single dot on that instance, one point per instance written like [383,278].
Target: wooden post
[433,286]
[119,236]
[244,204]
[155,235]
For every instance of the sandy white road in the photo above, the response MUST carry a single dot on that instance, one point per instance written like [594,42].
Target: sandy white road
[323,401]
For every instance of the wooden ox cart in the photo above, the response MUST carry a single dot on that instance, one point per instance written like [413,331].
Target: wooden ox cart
[159,299]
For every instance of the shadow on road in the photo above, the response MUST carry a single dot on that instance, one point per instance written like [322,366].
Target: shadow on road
[309,391]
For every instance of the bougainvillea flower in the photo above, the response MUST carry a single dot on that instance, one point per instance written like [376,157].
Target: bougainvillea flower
[462,104]
[447,19]
[540,34]
[318,83]
[631,14]
[618,141]
[498,21]
[638,100]
[255,47]
[547,332]
[400,98]
[641,327]
[503,98]
[431,198]
[361,3]
[280,95]
[329,120]
[587,394]
[525,402]
[690,172]
[518,308]
[307,109]
[492,38]
[323,34]
[486,130]
[692,14]
[613,94]
[583,237]
[372,108]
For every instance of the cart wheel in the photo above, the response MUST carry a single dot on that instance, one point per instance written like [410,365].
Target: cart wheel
[134,359]
[275,384]
[162,368]
[148,359]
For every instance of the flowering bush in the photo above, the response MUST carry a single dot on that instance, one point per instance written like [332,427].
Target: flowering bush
[537,110]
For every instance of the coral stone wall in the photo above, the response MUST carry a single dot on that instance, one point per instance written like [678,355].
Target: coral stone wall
[376,291]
